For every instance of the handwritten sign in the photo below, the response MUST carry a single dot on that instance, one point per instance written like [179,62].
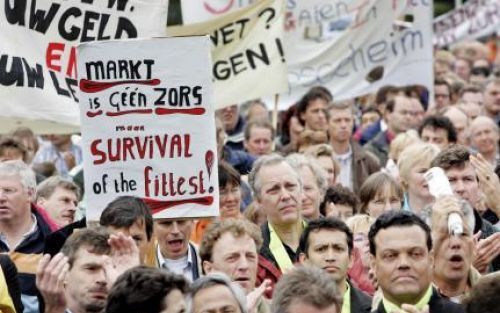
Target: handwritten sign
[474,19]
[201,11]
[38,51]
[148,125]
[247,49]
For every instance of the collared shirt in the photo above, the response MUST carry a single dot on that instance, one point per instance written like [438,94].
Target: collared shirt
[346,303]
[345,161]
[391,307]
[32,230]
[49,153]
[182,266]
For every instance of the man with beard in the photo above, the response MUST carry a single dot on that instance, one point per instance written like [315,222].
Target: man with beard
[78,279]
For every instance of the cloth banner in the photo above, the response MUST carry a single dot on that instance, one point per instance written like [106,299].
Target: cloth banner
[38,77]
[148,127]
[474,19]
[247,51]
[201,11]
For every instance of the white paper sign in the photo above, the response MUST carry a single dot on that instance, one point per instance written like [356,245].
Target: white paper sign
[38,41]
[203,10]
[474,19]
[148,125]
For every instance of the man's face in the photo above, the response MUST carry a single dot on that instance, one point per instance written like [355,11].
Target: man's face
[260,141]
[462,69]
[280,193]
[174,302]
[400,119]
[138,232]
[9,154]
[369,118]
[402,264]
[311,196]
[437,136]
[217,298]
[441,96]
[463,181]
[418,113]
[236,257]
[61,205]
[340,125]
[492,98]
[229,117]
[14,199]
[86,283]
[328,250]
[59,140]
[452,254]
[229,201]
[314,116]
[173,237]
[484,137]
[460,122]
[474,97]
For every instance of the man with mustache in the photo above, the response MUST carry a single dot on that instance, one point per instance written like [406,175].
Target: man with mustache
[327,244]
[400,247]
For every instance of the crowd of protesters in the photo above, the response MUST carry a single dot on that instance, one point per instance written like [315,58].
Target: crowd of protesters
[329,212]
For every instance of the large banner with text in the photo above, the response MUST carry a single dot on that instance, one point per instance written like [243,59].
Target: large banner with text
[148,126]
[38,76]
[247,51]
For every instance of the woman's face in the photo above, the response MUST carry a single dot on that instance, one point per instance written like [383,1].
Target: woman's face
[229,201]
[417,185]
[360,241]
[384,201]
[327,164]
[311,197]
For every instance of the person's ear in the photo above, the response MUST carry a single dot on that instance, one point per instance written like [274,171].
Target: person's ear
[207,267]
[302,258]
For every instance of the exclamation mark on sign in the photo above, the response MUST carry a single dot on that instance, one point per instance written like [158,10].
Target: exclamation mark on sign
[280,49]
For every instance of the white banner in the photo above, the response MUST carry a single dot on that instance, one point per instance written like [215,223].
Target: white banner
[37,53]
[353,47]
[148,125]
[247,52]
[474,19]
[203,10]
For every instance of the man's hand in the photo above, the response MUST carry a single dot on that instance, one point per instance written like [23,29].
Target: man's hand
[485,251]
[50,278]
[489,183]
[254,296]
[124,255]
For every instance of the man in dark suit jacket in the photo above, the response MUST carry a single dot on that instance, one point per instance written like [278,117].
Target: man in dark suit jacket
[327,243]
[400,244]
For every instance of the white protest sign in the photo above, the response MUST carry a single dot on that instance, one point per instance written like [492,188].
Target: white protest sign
[148,125]
[474,19]
[247,51]
[353,47]
[203,10]
[37,53]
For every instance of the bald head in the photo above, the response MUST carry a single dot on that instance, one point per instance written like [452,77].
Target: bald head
[460,121]
[484,136]
[483,120]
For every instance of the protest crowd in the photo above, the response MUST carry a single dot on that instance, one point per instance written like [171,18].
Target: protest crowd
[328,208]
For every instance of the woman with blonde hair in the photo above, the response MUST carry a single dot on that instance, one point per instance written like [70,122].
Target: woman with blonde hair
[413,162]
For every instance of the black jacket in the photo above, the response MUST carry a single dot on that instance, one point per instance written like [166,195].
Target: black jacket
[360,301]
[437,304]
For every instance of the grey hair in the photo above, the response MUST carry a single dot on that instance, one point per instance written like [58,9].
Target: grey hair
[216,279]
[267,160]
[25,173]
[465,207]
[297,160]
[307,285]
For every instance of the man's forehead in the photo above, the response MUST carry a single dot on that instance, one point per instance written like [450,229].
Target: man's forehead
[327,236]
[401,238]
[465,169]
[10,179]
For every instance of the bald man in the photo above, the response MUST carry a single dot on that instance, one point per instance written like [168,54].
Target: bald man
[461,122]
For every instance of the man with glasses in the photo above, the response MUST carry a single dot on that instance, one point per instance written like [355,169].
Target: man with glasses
[22,228]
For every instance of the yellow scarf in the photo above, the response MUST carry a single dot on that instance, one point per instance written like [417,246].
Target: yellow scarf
[278,249]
